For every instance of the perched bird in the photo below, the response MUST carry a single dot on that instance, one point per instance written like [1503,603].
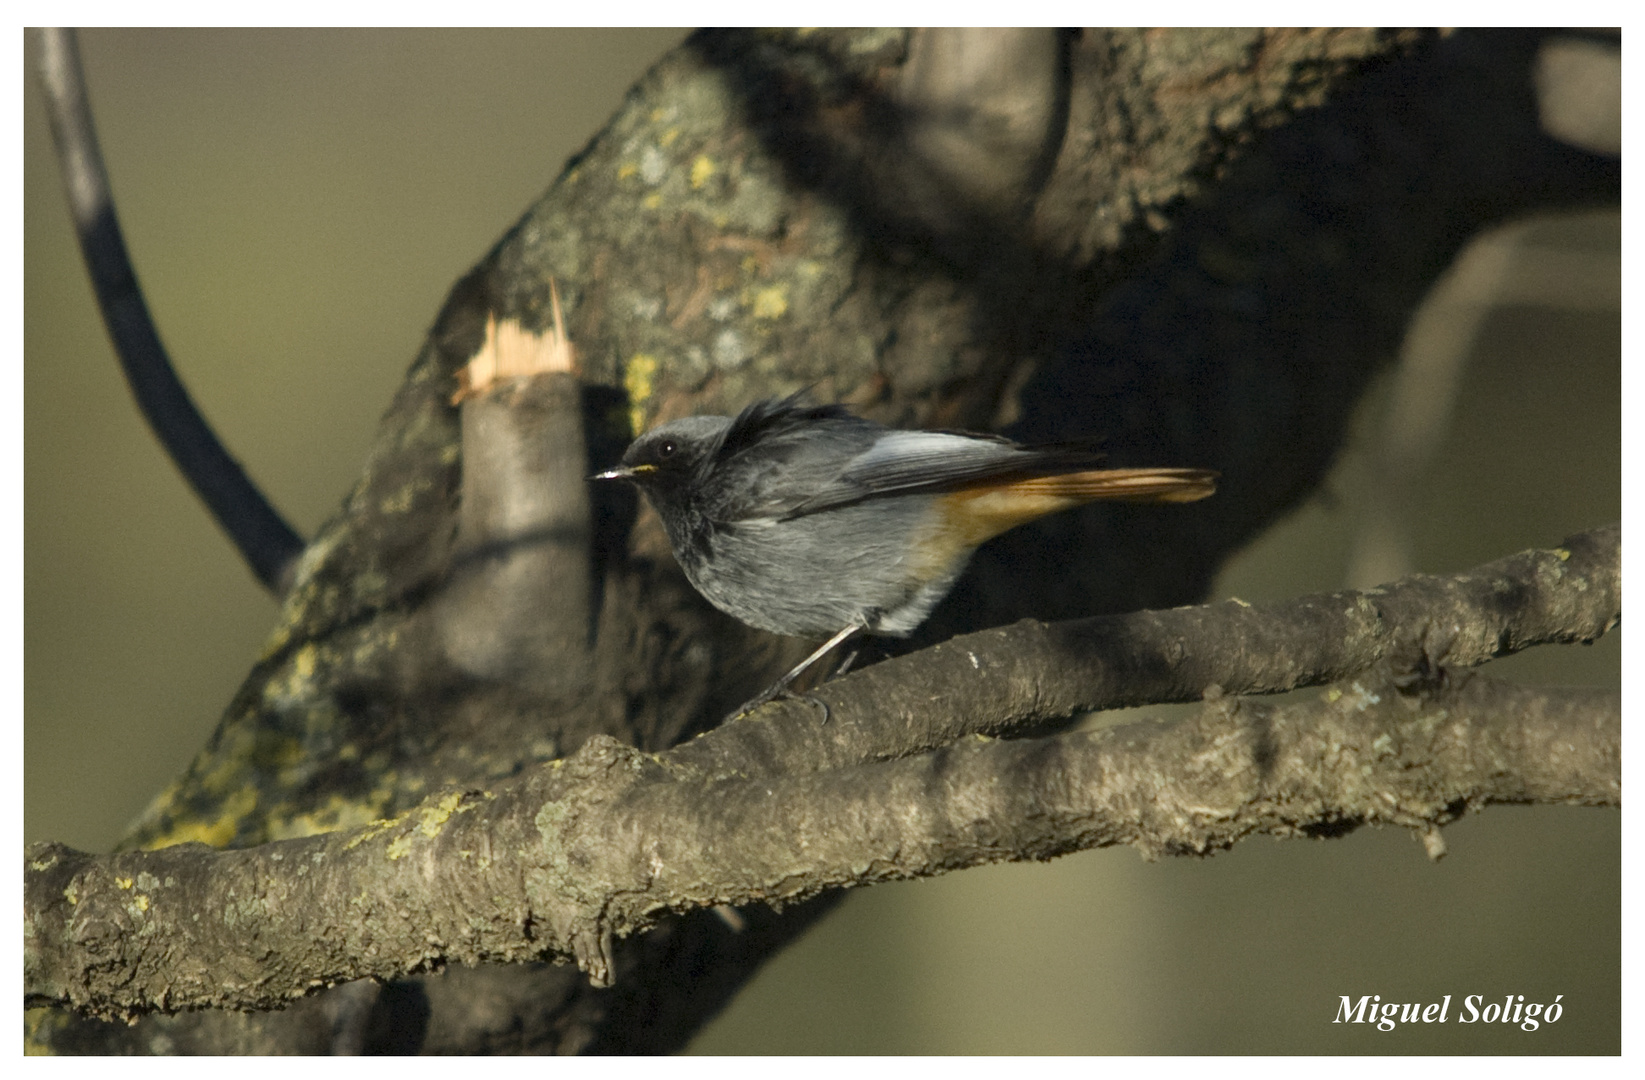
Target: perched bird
[809,521]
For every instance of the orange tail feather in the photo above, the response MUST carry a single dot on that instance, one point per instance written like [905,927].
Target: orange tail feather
[1126,485]
[978,513]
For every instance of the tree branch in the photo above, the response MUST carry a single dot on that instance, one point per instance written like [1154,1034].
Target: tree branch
[606,842]
[1015,678]
[264,540]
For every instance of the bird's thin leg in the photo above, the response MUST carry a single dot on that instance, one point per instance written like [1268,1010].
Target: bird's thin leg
[780,687]
[845,665]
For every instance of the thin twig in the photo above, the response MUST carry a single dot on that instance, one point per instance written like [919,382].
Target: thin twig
[262,536]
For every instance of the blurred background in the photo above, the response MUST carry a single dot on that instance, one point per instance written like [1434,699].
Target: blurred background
[298,203]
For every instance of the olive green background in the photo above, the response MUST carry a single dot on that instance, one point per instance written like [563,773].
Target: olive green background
[298,203]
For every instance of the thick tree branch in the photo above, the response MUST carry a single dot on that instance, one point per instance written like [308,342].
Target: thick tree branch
[606,842]
[1013,678]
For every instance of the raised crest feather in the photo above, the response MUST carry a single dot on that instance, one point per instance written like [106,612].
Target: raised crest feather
[773,416]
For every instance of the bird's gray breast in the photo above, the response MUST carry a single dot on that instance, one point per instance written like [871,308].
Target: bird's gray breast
[814,575]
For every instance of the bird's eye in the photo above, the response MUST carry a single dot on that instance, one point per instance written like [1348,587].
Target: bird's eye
[666,448]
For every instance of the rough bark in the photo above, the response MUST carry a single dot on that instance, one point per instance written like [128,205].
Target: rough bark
[1230,233]
[776,809]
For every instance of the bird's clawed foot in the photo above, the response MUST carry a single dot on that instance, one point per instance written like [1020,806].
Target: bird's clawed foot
[779,692]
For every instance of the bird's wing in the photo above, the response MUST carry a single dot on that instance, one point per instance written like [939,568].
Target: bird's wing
[906,462]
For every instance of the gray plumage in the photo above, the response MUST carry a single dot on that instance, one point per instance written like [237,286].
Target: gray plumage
[802,520]
[808,521]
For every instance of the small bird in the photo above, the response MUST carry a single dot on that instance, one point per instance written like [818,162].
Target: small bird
[807,520]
